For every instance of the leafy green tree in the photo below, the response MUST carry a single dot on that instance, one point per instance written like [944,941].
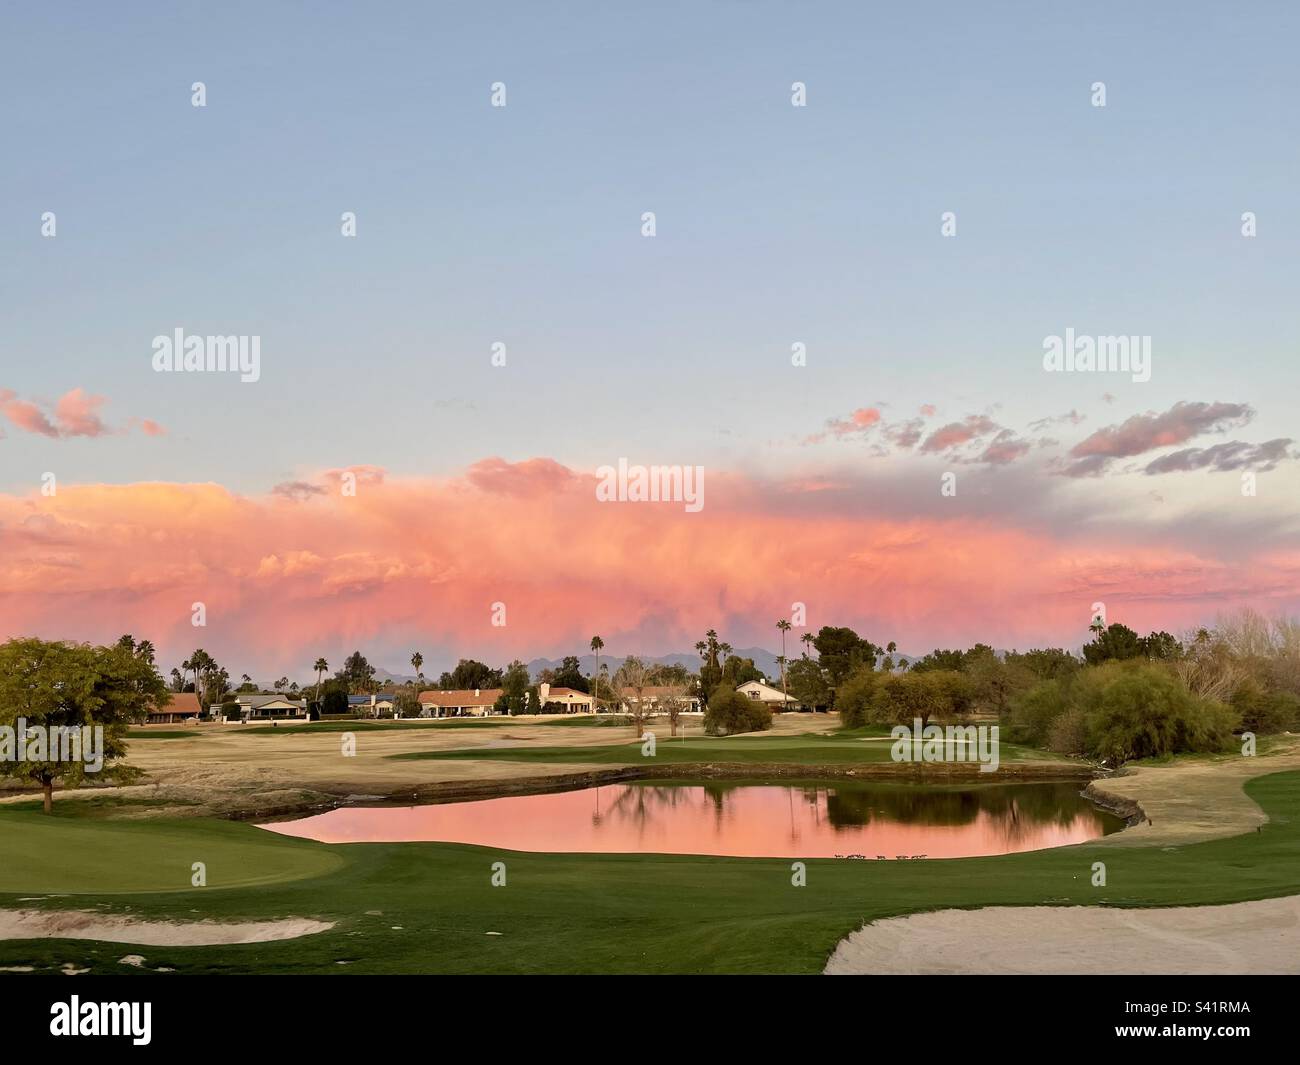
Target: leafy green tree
[514,687]
[853,696]
[334,699]
[52,684]
[729,712]
[357,673]
[841,651]
[1162,646]
[569,675]
[1045,664]
[737,671]
[808,683]
[470,675]
[1114,643]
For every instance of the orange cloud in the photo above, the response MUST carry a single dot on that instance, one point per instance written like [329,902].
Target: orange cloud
[409,564]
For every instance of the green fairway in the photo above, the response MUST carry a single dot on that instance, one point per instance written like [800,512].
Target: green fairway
[840,748]
[425,907]
[76,853]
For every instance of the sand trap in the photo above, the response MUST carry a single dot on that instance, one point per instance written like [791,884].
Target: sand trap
[1245,937]
[117,928]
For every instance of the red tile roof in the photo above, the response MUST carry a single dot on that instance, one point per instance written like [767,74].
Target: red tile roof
[485,697]
[181,703]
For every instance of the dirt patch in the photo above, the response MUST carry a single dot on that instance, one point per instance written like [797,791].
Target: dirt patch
[117,928]
[1245,937]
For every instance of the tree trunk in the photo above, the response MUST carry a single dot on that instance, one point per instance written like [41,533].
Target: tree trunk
[48,788]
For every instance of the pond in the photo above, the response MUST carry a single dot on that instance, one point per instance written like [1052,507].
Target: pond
[816,819]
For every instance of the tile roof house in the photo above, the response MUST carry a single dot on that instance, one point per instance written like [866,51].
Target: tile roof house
[183,706]
[476,703]
[765,694]
[570,700]
[266,707]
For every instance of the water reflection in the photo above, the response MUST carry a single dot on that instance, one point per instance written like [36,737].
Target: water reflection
[840,819]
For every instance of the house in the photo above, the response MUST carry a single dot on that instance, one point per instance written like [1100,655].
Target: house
[379,704]
[570,700]
[653,694]
[476,703]
[268,707]
[771,697]
[182,707]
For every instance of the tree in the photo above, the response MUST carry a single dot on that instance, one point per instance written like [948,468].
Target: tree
[357,674]
[597,644]
[1114,643]
[737,671]
[281,684]
[785,627]
[841,651]
[710,668]
[853,696]
[70,686]
[417,660]
[320,667]
[808,683]
[470,675]
[407,703]
[630,683]
[569,675]
[729,712]
[514,688]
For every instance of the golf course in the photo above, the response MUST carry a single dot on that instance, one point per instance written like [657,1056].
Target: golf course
[1205,831]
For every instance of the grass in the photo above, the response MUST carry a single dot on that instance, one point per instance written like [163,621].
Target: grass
[860,746]
[427,907]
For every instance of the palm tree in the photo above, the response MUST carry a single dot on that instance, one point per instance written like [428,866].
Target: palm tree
[417,660]
[144,650]
[320,667]
[785,627]
[807,639]
[596,644]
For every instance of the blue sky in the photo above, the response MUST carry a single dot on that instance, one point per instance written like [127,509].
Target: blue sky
[775,224]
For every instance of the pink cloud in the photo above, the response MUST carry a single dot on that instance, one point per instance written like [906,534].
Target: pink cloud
[76,413]
[418,563]
[954,434]
[25,416]
[528,478]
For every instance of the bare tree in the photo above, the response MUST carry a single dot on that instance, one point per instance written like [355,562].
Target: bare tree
[631,681]
[672,701]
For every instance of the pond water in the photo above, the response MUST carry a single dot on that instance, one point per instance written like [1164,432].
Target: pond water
[821,819]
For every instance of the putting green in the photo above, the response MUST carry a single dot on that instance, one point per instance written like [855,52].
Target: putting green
[63,855]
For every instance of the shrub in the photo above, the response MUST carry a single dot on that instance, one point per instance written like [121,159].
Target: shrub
[853,697]
[729,712]
[1144,712]
[231,712]
[1265,712]
[900,698]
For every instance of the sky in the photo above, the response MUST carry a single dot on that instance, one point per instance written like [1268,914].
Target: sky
[522,225]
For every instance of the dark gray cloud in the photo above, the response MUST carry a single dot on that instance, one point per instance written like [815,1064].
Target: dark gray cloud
[1233,455]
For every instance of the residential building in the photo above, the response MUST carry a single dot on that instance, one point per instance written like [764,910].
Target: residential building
[183,707]
[771,697]
[476,703]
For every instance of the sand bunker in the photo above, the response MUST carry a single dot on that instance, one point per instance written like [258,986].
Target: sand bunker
[117,928]
[1245,937]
